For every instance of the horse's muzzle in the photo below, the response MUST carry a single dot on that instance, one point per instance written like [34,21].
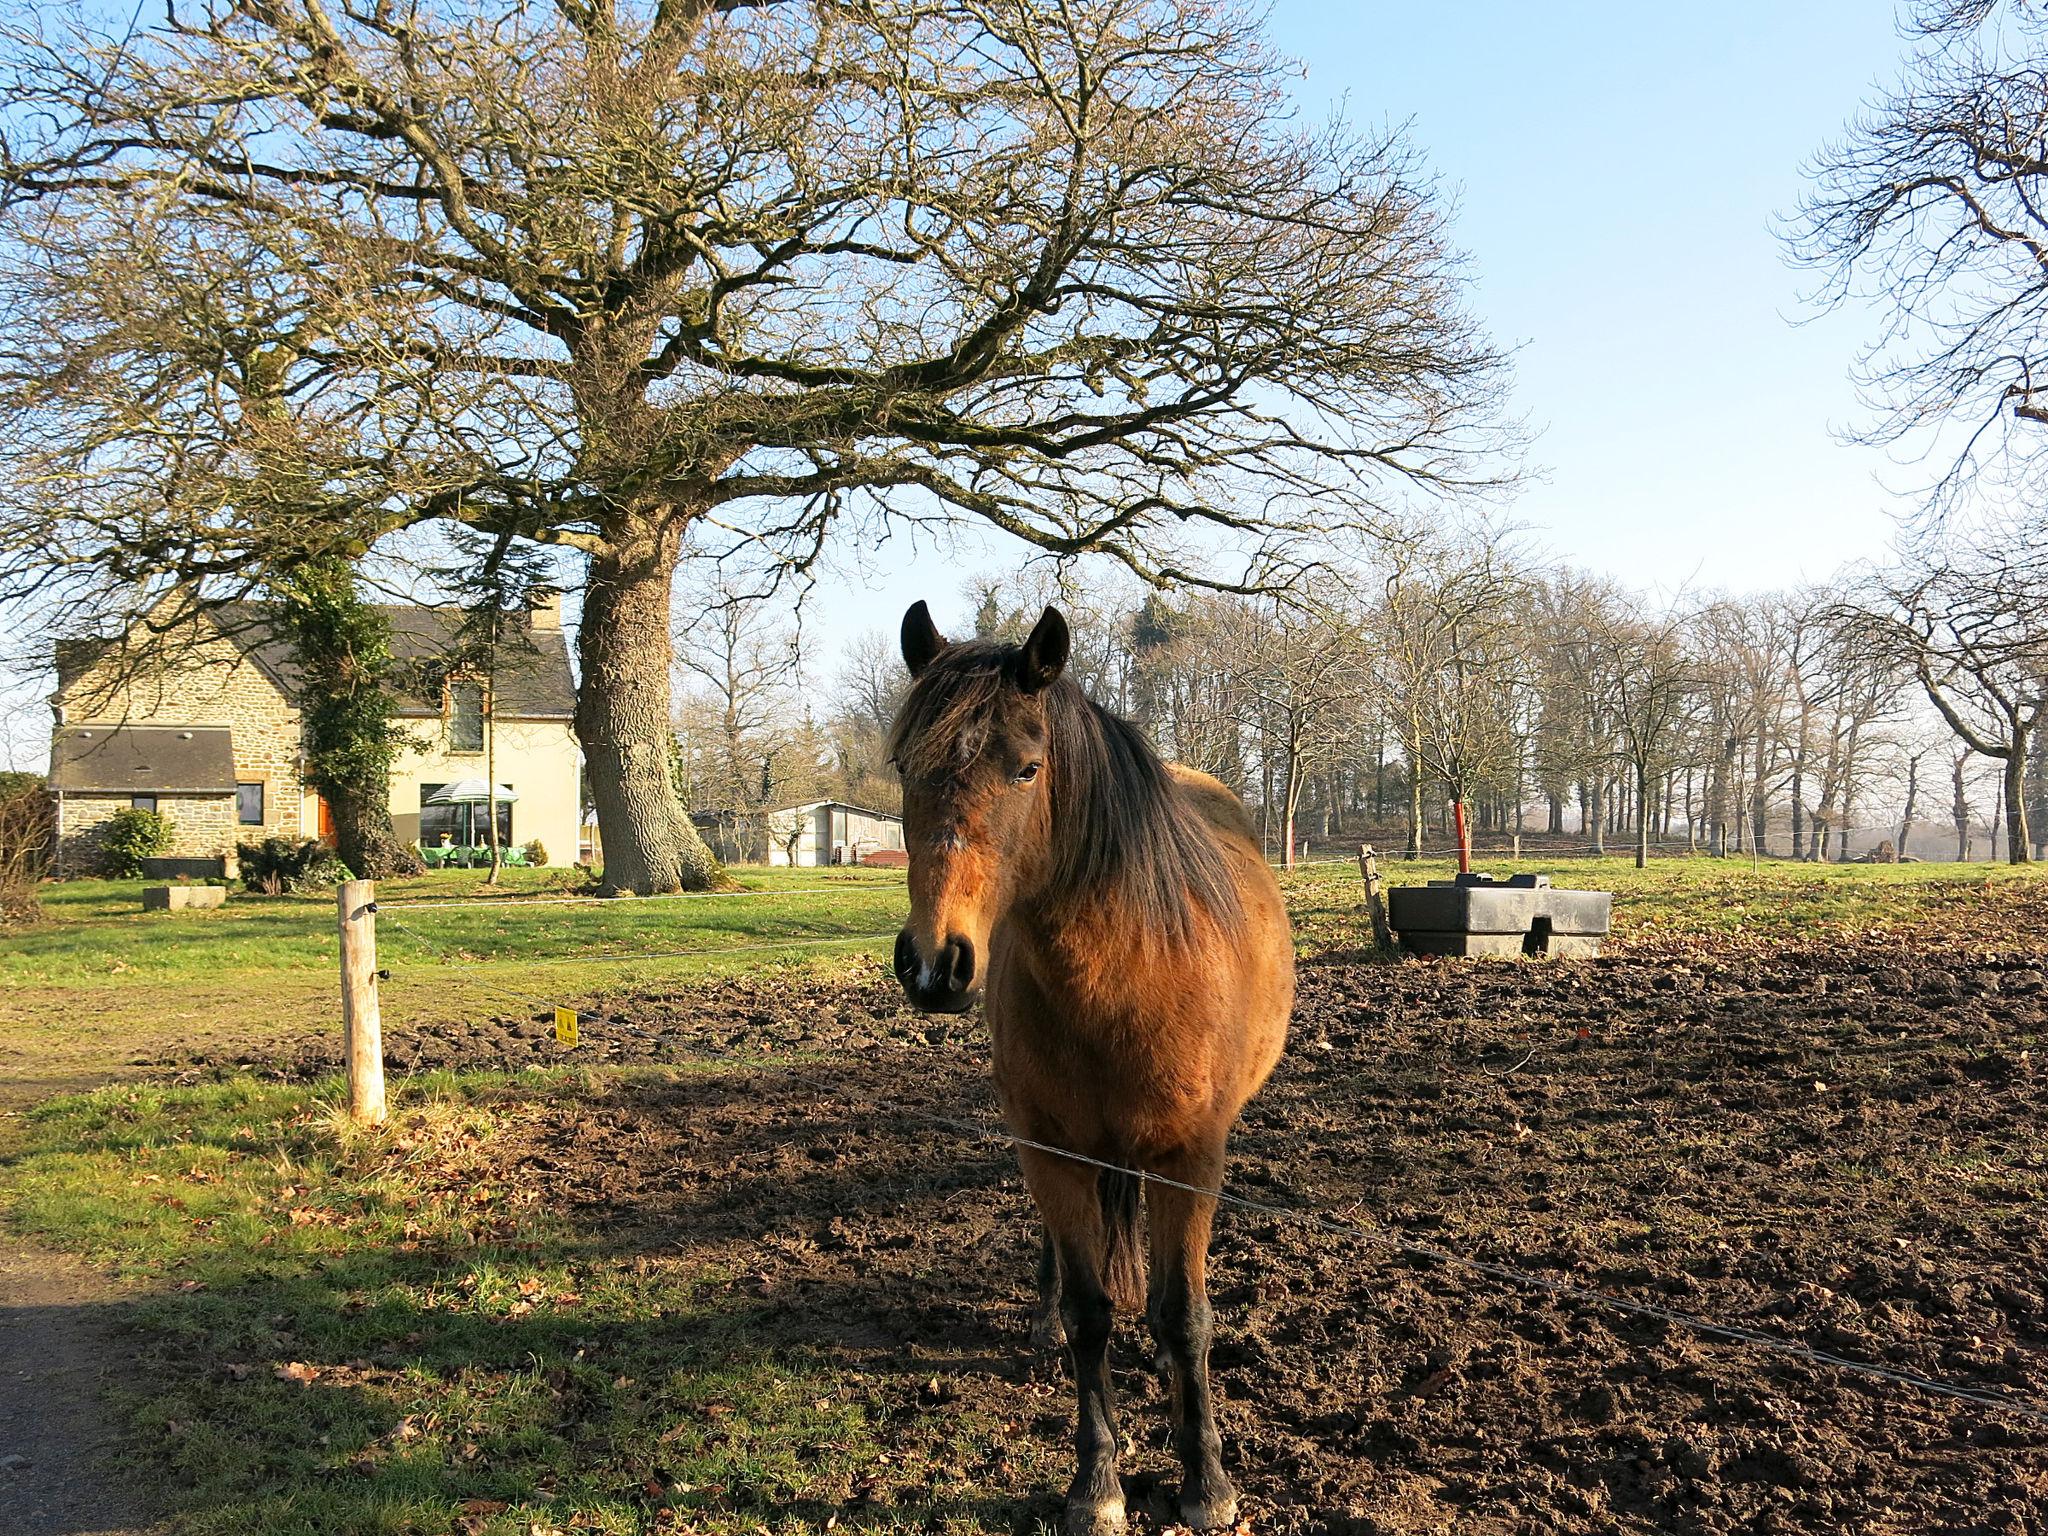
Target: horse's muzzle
[946,985]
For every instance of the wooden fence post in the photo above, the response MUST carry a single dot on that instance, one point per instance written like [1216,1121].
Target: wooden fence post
[361,1022]
[1375,896]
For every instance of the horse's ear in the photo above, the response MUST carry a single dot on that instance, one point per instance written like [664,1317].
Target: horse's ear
[1044,655]
[921,638]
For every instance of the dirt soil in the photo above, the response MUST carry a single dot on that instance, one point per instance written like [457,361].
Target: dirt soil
[1843,1144]
[62,1342]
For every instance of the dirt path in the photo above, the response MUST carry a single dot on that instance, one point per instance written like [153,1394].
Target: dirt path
[60,1344]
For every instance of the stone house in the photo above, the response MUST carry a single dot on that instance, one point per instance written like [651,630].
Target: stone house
[207,731]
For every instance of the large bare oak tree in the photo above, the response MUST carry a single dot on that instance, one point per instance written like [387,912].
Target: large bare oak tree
[636,280]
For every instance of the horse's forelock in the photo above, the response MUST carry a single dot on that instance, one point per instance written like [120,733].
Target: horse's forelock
[1120,828]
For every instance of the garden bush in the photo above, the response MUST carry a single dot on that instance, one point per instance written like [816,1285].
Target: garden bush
[536,852]
[27,829]
[131,835]
[277,865]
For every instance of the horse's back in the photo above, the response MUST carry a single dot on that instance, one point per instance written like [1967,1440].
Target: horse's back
[1214,802]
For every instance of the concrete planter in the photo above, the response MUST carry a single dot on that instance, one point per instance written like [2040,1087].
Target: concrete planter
[183,898]
[1479,916]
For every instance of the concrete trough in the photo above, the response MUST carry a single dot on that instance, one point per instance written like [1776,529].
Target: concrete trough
[183,898]
[1479,915]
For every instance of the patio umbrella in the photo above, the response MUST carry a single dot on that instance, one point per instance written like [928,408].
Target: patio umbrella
[469,793]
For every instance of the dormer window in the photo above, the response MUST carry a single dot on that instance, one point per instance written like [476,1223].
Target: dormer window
[465,716]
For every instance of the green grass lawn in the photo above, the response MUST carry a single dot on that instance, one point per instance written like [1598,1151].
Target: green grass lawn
[1683,898]
[100,982]
[375,1332]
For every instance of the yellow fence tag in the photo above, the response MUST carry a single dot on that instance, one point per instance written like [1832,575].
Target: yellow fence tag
[565,1026]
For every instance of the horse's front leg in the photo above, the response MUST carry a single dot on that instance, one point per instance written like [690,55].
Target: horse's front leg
[1178,1310]
[1067,1198]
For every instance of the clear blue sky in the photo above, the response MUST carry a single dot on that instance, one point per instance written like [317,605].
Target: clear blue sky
[1616,169]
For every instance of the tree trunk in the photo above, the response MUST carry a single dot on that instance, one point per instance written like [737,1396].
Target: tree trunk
[1912,797]
[1961,811]
[1414,850]
[1643,819]
[1799,807]
[1596,812]
[1292,803]
[363,835]
[623,718]
[491,761]
[2018,850]
[1760,797]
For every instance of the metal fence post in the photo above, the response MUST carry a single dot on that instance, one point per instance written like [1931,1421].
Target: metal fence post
[362,1024]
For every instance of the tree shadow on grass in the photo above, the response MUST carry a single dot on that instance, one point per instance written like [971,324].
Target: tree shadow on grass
[736,1312]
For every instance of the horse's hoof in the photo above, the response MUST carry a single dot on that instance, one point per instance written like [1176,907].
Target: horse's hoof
[1103,1518]
[1211,1515]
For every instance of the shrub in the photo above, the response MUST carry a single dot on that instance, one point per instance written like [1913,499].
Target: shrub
[27,829]
[277,865]
[131,835]
[536,852]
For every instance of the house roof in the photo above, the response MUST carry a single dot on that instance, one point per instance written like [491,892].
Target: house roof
[532,678]
[142,759]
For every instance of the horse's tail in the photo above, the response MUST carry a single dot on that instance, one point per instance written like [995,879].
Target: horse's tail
[1123,1256]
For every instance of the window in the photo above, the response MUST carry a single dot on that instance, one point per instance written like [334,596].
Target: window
[460,826]
[143,802]
[249,804]
[465,717]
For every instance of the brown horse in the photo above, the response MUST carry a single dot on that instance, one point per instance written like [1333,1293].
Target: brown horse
[1135,957]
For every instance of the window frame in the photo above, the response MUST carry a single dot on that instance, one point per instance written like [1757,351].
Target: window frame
[262,788]
[456,743]
[143,803]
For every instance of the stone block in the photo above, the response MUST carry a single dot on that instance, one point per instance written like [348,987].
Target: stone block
[183,898]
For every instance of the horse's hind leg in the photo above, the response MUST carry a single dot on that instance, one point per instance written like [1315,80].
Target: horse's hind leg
[1068,1200]
[1048,1334]
[1179,1313]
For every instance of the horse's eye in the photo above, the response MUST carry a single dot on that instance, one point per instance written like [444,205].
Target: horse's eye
[1027,773]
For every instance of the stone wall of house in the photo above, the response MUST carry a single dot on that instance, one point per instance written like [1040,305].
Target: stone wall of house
[202,827]
[206,680]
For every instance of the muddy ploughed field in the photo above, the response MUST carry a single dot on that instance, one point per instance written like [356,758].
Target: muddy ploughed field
[1846,1145]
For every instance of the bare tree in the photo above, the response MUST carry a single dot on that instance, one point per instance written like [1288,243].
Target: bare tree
[1975,635]
[747,741]
[1960,807]
[1934,204]
[1294,675]
[1650,682]
[867,691]
[633,278]
[1447,655]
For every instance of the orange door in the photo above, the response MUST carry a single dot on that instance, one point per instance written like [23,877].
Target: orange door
[325,821]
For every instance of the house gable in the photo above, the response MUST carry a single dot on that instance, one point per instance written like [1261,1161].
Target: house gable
[224,670]
[196,678]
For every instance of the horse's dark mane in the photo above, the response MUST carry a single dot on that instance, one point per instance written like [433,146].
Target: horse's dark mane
[1120,825]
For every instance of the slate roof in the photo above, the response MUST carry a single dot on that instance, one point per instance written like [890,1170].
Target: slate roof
[142,759]
[533,680]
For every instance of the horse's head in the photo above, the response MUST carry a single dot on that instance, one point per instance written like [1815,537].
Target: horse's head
[971,746]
